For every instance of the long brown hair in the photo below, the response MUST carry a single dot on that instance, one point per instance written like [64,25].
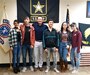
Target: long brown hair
[62,27]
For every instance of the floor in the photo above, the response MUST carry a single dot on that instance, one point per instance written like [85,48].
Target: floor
[82,71]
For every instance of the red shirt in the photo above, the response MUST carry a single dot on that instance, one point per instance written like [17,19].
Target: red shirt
[76,40]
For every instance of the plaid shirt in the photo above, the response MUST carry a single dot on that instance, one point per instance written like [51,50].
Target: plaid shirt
[13,37]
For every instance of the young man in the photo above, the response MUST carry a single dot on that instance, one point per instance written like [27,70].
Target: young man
[38,48]
[28,39]
[50,45]
[75,51]
[15,45]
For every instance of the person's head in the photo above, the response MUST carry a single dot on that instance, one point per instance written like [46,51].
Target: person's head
[50,23]
[26,20]
[16,23]
[40,20]
[73,26]
[64,26]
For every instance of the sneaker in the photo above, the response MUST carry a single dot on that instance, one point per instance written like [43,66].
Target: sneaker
[18,69]
[31,68]
[55,69]
[35,69]
[15,71]
[74,71]
[47,70]
[40,68]
[24,69]
[71,68]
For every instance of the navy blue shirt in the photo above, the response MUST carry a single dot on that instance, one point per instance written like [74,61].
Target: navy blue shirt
[39,31]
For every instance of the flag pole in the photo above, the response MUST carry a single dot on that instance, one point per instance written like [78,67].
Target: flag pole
[67,15]
[10,59]
[10,51]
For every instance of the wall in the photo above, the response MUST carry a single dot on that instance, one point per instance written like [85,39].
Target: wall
[77,10]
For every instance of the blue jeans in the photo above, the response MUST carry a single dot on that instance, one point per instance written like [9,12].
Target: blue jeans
[16,55]
[26,48]
[63,51]
[75,58]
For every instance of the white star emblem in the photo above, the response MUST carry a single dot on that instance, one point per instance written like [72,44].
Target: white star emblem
[38,7]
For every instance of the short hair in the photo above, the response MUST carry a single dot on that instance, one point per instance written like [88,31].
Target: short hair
[73,24]
[50,20]
[16,21]
[26,17]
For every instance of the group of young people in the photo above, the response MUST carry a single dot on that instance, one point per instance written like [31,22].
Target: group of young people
[37,38]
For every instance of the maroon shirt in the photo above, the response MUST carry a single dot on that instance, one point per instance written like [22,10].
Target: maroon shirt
[76,40]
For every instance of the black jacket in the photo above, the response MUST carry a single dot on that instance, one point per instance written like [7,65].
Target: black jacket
[50,39]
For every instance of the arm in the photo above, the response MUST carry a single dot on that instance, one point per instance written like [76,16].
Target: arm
[44,46]
[69,37]
[57,36]
[10,38]
[33,36]
[79,41]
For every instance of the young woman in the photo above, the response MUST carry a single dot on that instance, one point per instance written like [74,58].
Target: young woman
[75,51]
[64,36]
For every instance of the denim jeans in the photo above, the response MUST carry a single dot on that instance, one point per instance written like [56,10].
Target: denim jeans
[16,55]
[27,49]
[51,50]
[63,51]
[75,58]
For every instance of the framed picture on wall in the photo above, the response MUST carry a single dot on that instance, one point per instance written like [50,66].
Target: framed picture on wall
[88,9]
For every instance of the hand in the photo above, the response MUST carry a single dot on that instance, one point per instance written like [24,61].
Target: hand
[11,48]
[78,51]
[46,50]
[68,54]
[55,49]
[67,47]
[31,46]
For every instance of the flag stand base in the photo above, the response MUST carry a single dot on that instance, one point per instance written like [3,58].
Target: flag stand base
[10,68]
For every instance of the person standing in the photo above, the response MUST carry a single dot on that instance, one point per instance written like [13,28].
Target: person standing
[38,47]
[50,45]
[75,51]
[28,39]
[15,45]
[64,37]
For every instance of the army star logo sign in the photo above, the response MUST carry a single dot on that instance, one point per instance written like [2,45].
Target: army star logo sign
[38,7]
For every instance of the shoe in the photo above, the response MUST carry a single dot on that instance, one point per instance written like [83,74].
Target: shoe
[15,70]
[24,69]
[66,66]
[55,69]
[74,71]
[18,69]
[35,69]
[47,70]
[71,68]
[61,65]
[40,68]
[31,68]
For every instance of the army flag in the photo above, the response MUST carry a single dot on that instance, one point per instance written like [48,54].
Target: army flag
[48,9]
[85,30]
